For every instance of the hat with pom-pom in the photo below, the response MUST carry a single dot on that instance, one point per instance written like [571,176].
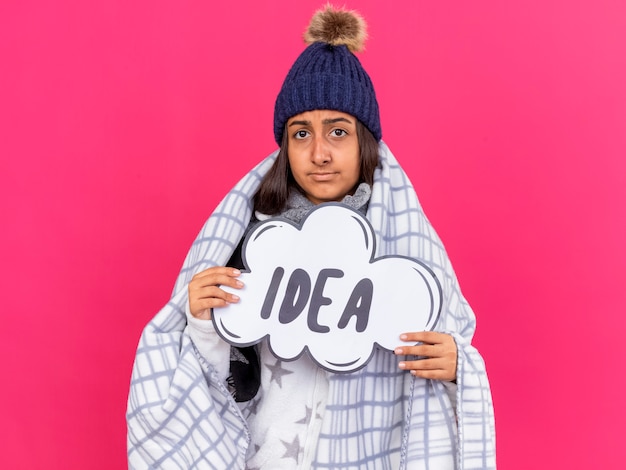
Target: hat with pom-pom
[327,74]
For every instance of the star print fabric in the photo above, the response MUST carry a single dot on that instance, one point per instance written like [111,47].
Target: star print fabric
[286,416]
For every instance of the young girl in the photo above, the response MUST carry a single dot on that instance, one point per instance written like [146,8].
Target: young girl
[197,402]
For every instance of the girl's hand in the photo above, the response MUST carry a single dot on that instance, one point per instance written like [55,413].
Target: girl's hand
[205,293]
[439,352]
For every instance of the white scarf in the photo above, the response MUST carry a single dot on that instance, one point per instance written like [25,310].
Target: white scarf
[180,416]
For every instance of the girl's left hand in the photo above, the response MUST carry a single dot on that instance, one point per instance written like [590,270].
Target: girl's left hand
[439,352]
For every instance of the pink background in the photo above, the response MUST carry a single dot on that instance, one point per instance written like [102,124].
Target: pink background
[122,124]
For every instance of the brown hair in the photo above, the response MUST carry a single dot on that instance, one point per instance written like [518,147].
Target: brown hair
[272,194]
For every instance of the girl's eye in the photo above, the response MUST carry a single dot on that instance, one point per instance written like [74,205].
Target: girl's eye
[338,132]
[301,134]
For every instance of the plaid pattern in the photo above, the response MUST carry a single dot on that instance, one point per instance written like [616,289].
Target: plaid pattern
[180,416]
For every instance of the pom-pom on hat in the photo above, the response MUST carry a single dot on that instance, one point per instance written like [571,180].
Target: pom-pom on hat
[327,75]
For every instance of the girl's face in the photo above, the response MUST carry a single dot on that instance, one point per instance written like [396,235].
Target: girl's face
[323,151]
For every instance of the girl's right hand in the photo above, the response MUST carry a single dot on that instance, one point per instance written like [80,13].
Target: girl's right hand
[205,293]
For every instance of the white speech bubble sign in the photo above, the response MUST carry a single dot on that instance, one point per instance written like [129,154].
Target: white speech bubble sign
[316,287]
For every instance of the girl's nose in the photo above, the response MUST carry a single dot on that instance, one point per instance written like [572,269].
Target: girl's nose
[321,152]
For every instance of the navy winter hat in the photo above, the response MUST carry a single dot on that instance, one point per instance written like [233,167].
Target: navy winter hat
[327,75]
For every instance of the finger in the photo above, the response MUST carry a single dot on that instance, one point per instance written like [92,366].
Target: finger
[208,298]
[427,350]
[421,364]
[213,292]
[428,337]
[215,279]
[430,369]
[202,308]
[216,271]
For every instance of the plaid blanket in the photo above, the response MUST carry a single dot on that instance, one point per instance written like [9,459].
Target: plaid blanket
[181,416]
